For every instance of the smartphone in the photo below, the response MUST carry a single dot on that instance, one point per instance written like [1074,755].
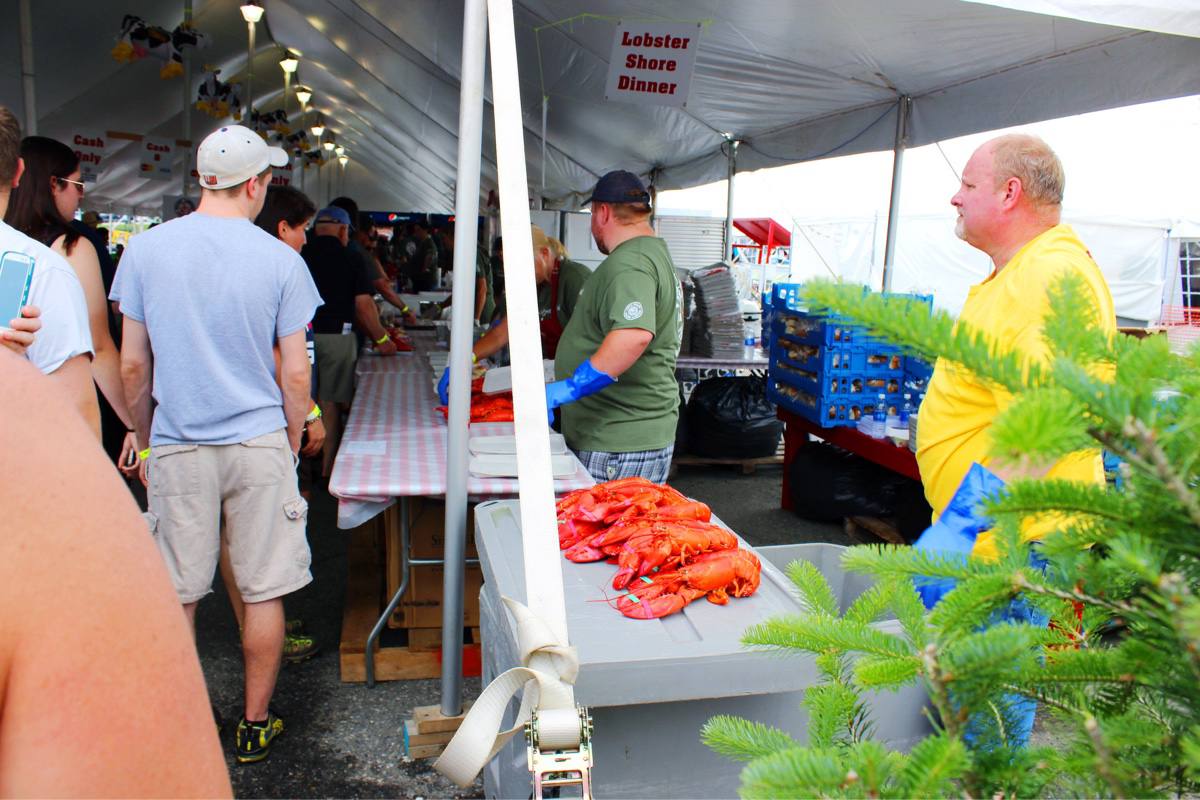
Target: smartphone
[16,276]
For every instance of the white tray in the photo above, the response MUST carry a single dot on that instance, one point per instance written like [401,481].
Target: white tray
[505,466]
[506,445]
[499,379]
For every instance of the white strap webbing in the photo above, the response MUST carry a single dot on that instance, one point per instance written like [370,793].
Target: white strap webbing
[550,663]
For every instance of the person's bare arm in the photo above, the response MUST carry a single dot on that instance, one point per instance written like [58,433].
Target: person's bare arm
[83,707]
[492,341]
[106,361]
[74,380]
[137,366]
[295,381]
[384,287]
[620,350]
[480,296]
[367,316]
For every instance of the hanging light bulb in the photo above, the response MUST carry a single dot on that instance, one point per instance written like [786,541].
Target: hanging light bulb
[303,94]
[341,151]
[252,12]
[318,127]
[329,145]
[289,63]
[343,160]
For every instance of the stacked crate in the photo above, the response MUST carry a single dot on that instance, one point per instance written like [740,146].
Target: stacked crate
[824,368]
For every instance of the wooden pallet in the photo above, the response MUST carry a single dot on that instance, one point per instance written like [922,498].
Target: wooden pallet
[364,603]
[869,530]
[429,731]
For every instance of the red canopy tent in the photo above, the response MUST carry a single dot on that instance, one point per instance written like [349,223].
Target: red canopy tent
[766,233]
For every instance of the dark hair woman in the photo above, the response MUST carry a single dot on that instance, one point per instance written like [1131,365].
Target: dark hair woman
[42,207]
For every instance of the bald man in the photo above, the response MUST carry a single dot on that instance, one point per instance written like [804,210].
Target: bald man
[1009,206]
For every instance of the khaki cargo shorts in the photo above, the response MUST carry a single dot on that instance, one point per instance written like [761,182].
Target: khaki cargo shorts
[247,489]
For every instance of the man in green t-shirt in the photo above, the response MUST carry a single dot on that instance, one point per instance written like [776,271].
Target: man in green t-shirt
[616,357]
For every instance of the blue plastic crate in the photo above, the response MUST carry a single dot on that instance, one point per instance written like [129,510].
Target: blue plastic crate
[916,369]
[871,358]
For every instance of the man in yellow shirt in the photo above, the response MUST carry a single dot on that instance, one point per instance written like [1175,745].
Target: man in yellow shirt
[1009,206]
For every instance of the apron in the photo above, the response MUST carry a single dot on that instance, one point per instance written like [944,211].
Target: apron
[551,328]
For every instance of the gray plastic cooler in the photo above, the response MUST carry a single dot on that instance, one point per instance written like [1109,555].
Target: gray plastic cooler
[652,684]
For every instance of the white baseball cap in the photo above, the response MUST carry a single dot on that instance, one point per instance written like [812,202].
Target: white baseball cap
[234,154]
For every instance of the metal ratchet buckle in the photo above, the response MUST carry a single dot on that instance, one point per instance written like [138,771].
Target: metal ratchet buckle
[556,768]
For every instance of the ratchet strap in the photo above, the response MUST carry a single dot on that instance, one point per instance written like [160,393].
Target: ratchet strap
[549,669]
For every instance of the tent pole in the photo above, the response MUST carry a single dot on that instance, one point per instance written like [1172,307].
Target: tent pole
[903,107]
[187,103]
[733,148]
[27,77]
[466,230]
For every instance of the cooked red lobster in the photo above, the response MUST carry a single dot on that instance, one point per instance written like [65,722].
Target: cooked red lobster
[717,575]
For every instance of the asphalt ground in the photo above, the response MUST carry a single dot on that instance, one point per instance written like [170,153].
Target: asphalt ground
[345,740]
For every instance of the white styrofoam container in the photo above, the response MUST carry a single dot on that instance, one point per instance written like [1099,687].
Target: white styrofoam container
[507,444]
[652,684]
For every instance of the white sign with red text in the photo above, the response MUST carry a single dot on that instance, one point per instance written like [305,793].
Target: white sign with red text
[157,158]
[652,63]
[282,176]
[89,147]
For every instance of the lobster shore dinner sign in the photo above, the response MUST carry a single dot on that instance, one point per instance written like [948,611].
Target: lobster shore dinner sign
[652,62]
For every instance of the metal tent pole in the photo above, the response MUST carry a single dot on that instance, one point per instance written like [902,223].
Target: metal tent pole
[27,76]
[903,107]
[187,104]
[733,148]
[466,226]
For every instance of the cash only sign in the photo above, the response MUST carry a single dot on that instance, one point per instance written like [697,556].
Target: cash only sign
[652,63]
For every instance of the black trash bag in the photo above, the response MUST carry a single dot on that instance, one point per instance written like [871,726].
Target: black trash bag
[732,418]
[827,484]
[681,427]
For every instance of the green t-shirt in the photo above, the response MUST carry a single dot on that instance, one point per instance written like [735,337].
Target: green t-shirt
[571,277]
[483,268]
[635,287]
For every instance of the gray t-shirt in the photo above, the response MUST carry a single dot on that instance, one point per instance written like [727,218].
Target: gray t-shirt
[214,293]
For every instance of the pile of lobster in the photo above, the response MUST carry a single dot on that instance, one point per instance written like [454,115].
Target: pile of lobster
[667,551]
[400,339]
[486,407]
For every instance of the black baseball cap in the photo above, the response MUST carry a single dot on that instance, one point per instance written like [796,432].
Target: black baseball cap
[619,186]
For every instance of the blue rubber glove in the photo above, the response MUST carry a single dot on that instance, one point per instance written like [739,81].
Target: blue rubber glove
[955,531]
[586,380]
[443,388]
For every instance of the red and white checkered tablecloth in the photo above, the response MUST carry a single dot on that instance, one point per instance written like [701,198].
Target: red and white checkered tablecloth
[395,444]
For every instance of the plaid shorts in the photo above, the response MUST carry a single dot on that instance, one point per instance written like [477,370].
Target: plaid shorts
[653,465]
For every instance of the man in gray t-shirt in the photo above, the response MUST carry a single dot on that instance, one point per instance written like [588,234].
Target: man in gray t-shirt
[205,300]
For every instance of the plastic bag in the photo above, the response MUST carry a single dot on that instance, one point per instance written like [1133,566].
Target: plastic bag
[732,418]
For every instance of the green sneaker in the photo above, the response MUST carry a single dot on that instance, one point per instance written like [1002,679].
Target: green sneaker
[298,647]
[254,738]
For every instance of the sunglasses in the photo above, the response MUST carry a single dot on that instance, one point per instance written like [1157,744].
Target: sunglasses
[77,184]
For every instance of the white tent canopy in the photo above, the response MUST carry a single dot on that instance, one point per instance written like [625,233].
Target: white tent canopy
[793,80]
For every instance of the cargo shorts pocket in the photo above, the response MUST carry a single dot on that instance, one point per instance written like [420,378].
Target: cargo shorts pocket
[296,512]
[265,460]
[175,470]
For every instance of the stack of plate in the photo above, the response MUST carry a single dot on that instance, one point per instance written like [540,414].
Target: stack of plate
[496,456]
[719,330]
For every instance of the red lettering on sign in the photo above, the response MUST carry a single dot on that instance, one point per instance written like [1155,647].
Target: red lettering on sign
[639,61]
[628,83]
[157,148]
[647,40]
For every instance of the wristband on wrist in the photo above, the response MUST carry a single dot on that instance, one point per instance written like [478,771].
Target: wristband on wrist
[382,339]
[405,310]
[313,415]
[144,455]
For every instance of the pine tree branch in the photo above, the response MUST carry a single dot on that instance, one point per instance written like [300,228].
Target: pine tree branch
[1103,756]
[1151,458]
[1023,583]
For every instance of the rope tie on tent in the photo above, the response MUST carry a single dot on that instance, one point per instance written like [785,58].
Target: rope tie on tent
[548,675]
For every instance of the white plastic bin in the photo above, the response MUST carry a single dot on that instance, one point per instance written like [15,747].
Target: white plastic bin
[652,684]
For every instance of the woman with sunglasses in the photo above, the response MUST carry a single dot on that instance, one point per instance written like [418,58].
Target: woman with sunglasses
[42,207]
